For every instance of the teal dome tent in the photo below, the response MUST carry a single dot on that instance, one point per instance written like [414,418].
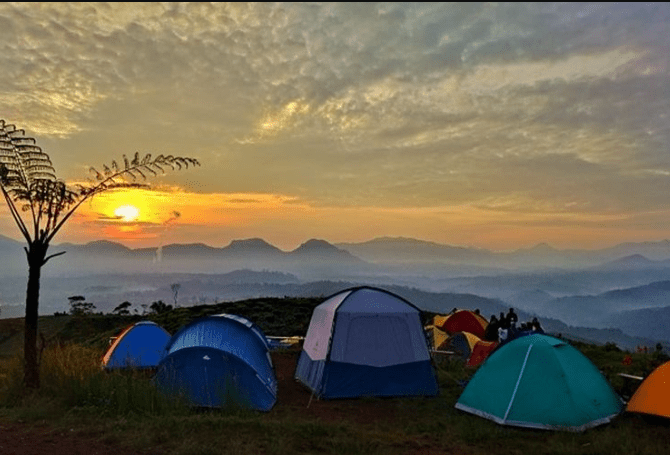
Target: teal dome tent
[538,381]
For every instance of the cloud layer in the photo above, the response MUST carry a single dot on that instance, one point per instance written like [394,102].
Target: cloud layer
[527,110]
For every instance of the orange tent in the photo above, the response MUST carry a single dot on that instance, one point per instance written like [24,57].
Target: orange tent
[653,395]
[462,321]
[480,352]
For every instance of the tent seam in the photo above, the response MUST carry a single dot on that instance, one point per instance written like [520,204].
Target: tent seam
[518,381]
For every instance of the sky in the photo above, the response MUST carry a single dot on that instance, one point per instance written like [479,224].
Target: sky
[497,125]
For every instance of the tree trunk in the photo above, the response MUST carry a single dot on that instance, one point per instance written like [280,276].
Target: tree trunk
[36,255]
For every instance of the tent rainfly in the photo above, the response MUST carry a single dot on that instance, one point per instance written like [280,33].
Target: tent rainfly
[462,321]
[366,342]
[463,344]
[653,395]
[141,345]
[538,381]
[437,337]
[219,361]
[480,352]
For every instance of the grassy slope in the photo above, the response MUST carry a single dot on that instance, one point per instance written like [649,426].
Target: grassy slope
[415,426]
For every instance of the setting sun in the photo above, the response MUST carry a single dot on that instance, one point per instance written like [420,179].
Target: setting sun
[127,213]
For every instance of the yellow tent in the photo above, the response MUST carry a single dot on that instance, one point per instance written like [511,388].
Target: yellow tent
[437,336]
[462,343]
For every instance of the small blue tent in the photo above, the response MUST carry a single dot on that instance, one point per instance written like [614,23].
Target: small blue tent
[219,361]
[139,346]
[366,342]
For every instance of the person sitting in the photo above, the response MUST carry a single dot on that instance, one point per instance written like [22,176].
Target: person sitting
[537,328]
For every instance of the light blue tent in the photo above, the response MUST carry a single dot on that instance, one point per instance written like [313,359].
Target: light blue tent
[366,342]
[141,345]
[538,381]
[219,361]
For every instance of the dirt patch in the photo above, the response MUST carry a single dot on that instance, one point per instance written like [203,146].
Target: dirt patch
[293,395]
[41,439]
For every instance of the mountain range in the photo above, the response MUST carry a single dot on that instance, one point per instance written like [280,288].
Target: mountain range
[102,256]
[614,288]
[364,257]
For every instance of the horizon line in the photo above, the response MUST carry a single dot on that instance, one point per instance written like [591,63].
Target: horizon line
[335,244]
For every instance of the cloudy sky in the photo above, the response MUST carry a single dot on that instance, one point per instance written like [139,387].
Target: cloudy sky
[490,125]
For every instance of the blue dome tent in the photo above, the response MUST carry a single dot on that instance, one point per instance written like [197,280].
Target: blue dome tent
[219,361]
[139,346]
[366,342]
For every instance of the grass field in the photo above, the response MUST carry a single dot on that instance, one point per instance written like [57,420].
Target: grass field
[127,412]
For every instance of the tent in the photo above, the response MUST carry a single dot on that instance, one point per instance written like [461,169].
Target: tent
[140,345]
[366,342]
[653,395]
[462,321]
[219,361]
[538,381]
[480,352]
[437,337]
[462,343]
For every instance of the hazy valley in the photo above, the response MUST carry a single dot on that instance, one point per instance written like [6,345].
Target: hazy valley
[619,294]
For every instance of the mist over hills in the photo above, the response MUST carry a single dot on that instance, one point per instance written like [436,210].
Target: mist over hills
[585,291]
[384,251]
[590,309]
[102,256]
[403,250]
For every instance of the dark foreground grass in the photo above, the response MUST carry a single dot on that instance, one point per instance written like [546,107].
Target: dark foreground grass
[125,410]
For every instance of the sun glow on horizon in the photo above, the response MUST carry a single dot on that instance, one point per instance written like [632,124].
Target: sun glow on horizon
[127,213]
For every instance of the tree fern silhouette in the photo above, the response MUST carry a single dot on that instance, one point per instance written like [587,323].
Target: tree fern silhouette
[41,204]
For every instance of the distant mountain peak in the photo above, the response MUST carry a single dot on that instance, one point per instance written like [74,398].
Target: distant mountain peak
[316,245]
[253,245]
[409,241]
[633,259]
[542,247]
[100,246]
[320,249]
[249,242]
[104,242]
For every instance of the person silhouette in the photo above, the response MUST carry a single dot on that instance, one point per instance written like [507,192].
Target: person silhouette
[491,333]
[512,318]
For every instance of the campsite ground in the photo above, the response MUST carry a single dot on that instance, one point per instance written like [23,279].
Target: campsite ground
[80,410]
[21,437]
[299,424]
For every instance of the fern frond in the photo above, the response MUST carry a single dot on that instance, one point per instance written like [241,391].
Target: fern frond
[98,175]
[27,176]
[23,161]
